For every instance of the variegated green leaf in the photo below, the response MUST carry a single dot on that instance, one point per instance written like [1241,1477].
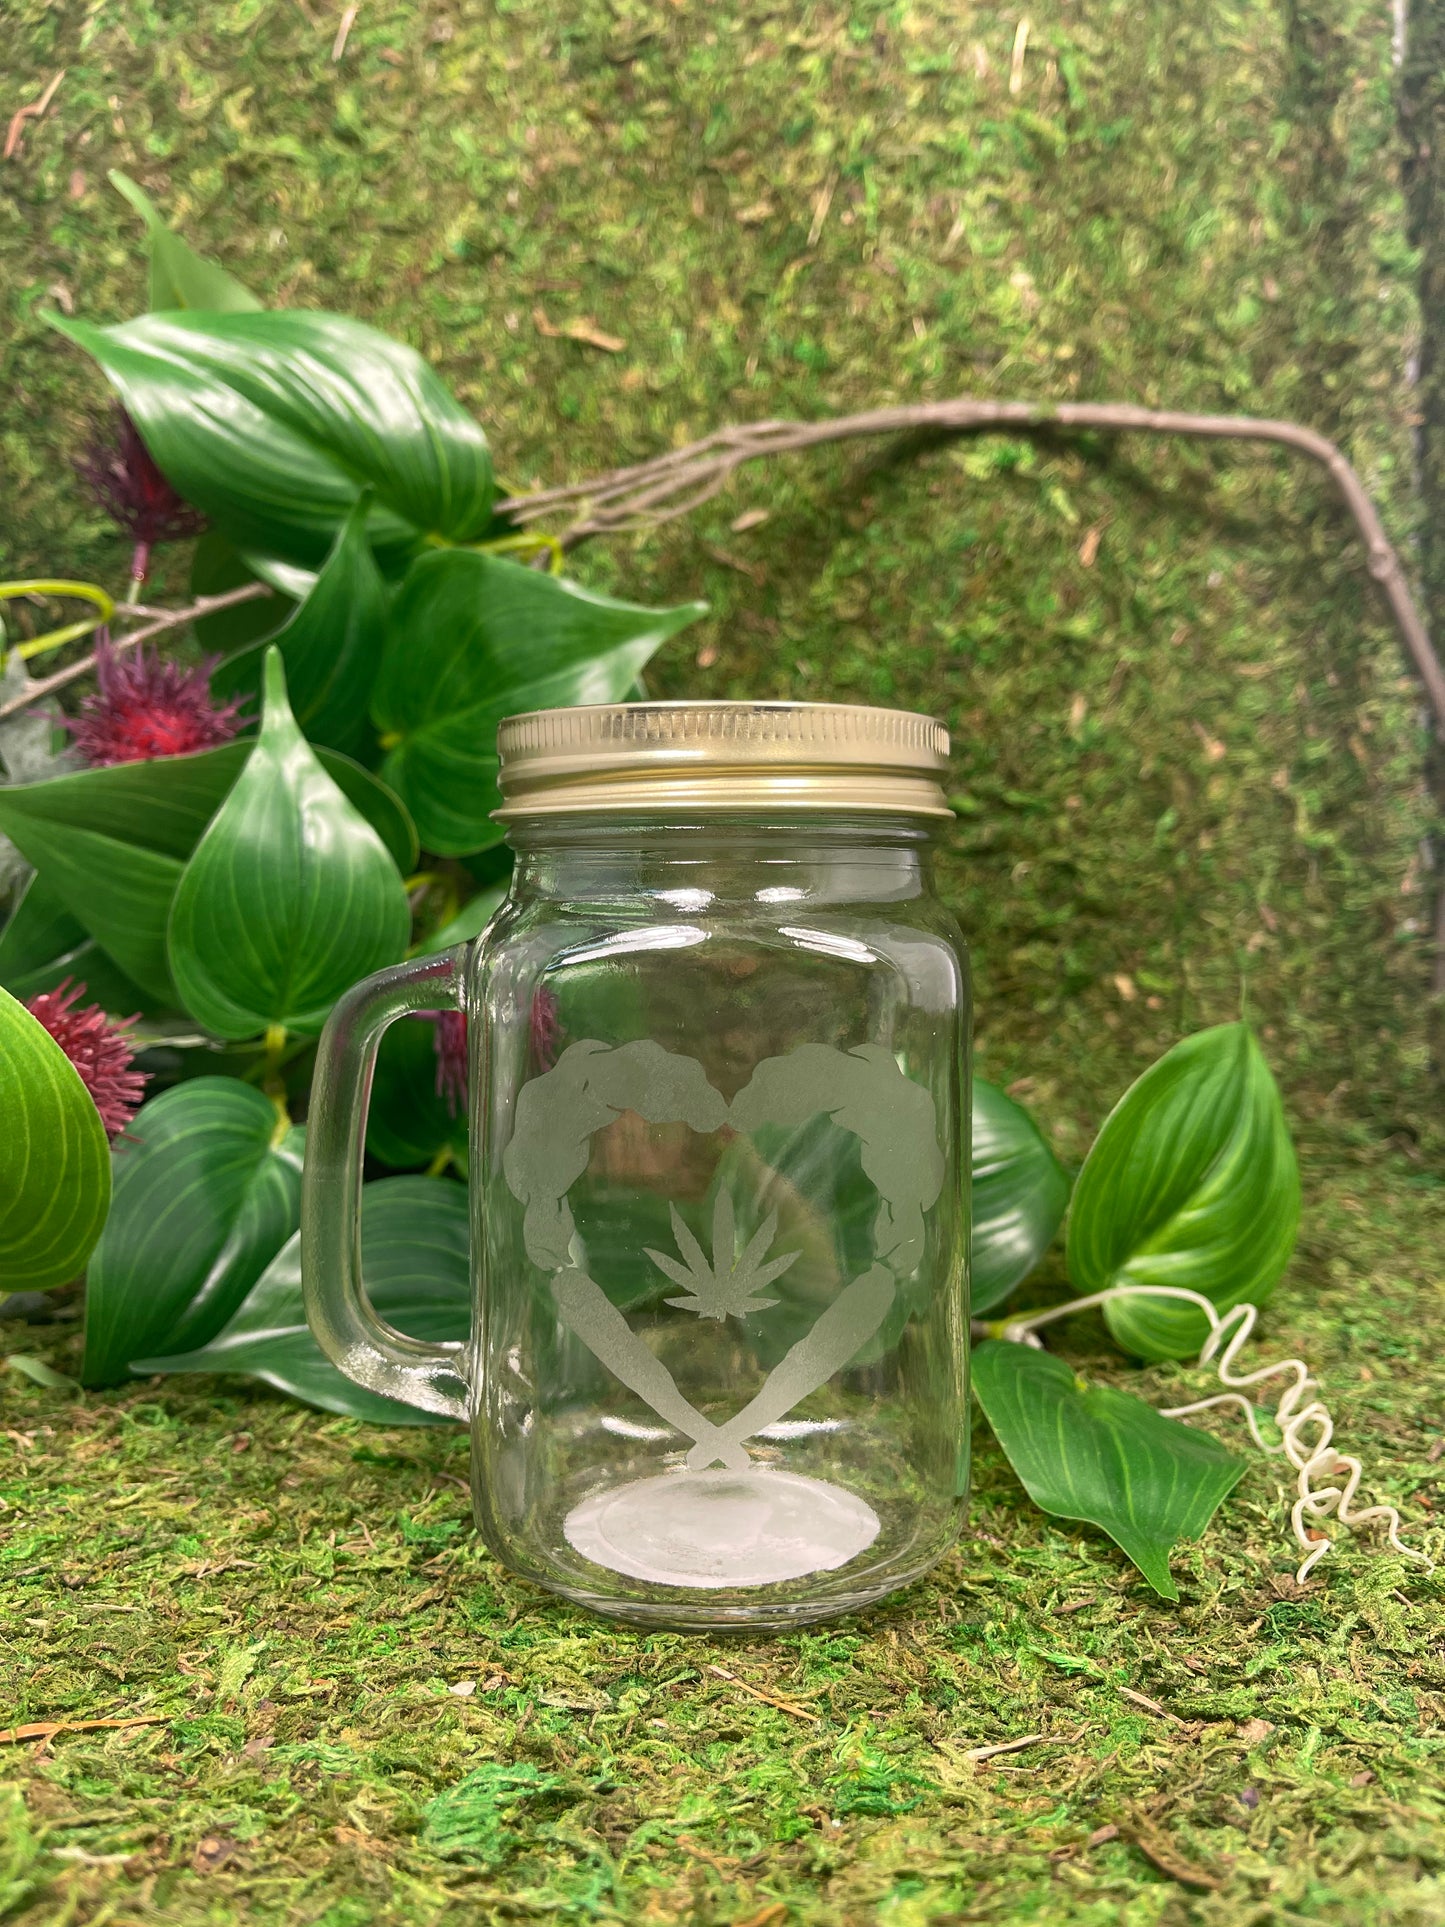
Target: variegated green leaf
[54,1160]
[291,896]
[1090,1452]
[1192,1182]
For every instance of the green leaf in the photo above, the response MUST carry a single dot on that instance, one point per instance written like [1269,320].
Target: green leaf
[331,646]
[473,638]
[286,578]
[216,568]
[409,1122]
[414,1259]
[205,1196]
[376,801]
[42,946]
[180,278]
[39,1373]
[274,423]
[291,896]
[1192,1182]
[122,893]
[1020,1194]
[1093,1453]
[112,843]
[469,922]
[54,1160]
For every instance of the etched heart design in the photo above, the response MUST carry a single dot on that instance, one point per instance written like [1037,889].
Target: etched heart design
[863,1091]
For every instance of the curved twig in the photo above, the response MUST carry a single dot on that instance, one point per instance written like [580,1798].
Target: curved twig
[657,491]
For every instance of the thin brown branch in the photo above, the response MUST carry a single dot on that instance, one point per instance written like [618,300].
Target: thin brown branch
[650,493]
[205,605]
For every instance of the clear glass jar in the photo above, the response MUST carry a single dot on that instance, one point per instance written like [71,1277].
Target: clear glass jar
[719,1174]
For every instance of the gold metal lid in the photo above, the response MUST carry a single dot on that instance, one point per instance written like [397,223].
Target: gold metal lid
[676,757]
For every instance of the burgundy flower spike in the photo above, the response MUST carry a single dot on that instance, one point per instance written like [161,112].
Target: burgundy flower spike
[450,1041]
[123,479]
[98,1048]
[544,1028]
[145,707]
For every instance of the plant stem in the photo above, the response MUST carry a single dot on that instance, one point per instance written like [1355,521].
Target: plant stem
[70,631]
[273,1082]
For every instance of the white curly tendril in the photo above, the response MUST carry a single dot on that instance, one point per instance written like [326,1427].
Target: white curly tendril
[1304,1423]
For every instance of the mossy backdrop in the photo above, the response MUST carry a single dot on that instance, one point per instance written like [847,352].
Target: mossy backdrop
[1188,777]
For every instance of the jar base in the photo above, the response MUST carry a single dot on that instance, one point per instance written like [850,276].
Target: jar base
[719,1529]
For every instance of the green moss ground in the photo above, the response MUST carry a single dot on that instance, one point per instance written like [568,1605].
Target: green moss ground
[1186,773]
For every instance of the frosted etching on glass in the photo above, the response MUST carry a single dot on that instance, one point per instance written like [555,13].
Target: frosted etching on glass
[748,1524]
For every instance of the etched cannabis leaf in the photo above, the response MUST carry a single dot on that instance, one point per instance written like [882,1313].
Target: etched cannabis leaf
[726,1287]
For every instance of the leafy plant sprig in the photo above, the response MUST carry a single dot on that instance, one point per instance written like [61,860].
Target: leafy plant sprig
[1298,1412]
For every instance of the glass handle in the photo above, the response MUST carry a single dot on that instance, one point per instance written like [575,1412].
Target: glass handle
[356,1341]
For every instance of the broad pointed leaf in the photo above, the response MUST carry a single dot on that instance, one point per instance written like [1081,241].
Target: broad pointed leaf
[288,579]
[42,946]
[331,646]
[112,843]
[181,278]
[1090,1452]
[37,930]
[414,1260]
[274,423]
[291,896]
[1020,1194]
[54,1161]
[376,801]
[1192,1182]
[125,892]
[206,1194]
[473,638]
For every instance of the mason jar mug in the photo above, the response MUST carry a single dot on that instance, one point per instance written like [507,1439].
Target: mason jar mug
[718,1047]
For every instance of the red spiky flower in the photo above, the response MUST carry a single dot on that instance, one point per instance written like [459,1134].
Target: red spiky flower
[450,1042]
[99,1049]
[144,707]
[121,476]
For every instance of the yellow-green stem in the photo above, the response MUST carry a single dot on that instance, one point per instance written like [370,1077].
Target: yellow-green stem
[273,1083]
[71,631]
